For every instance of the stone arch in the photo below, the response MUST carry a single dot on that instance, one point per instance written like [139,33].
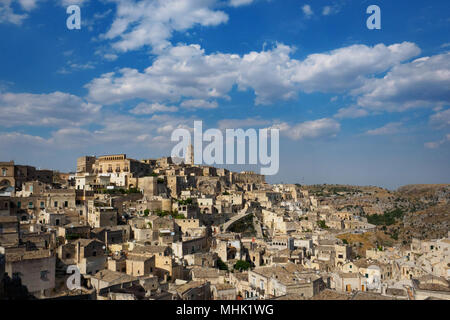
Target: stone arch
[5,183]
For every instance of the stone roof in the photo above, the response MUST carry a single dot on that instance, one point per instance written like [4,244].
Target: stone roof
[290,297]
[135,257]
[370,296]
[113,277]
[362,263]
[289,274]
[85,242]
[223,286]
[241,276]
[27,255]
[206,273]
[188,286]
[329,294]
[149,249]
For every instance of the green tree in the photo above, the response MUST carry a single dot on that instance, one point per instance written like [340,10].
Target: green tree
[242,265]
[221,265]
[322,224]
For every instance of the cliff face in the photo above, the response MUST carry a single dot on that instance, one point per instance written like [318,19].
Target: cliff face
[412,211]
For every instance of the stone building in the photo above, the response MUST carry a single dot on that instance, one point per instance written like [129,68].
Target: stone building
[7,174]
[9,230]
[36,269]
[139,265]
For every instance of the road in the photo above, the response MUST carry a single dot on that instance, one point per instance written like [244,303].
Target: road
[243,213]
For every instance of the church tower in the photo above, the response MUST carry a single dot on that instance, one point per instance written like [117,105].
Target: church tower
[190,155]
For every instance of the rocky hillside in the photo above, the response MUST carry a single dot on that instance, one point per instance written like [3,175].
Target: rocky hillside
[411,211]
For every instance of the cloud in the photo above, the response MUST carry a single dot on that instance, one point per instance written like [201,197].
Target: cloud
[119,131]
[437,144]
[144,108]
[186,71]
[423,82]
[238,3]
[269,74]
[110,56]
[242,123]
[325,127]
[72,66]
[440,119]
[15,139]
[307,11]
[53,109]
[346,68]
[330,10]
[199,104]
[152,23]
[7,14]
[351,112]
[390,128]
[28,5]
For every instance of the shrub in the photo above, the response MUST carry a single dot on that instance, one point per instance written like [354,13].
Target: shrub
[242,265]
[221,265]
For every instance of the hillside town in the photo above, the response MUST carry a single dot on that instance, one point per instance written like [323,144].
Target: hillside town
[160,229]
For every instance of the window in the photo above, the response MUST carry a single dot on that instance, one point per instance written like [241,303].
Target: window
[30,205]
[4,172]
[261,284]
[66,204]
[42,204]
[44,274]
[19,204]
[55,204]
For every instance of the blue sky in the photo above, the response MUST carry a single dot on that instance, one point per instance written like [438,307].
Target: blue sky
[353,105]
